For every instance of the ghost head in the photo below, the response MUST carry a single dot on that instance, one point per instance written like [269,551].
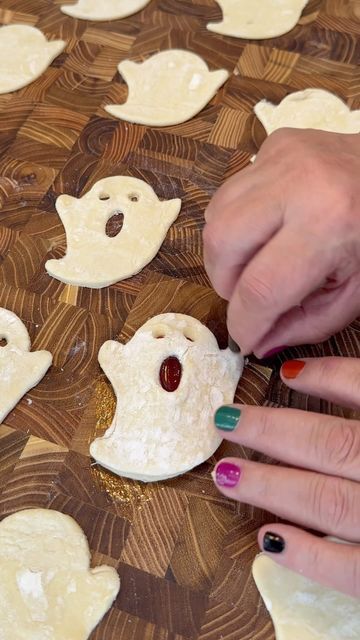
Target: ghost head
[256,19]
[104,10]
[20,369]
[47,589]
[168,88]
[95,260]
[157,433]
[309,109]
[25,54]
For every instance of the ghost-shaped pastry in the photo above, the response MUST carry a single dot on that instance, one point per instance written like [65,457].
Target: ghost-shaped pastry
[168,88]
[20,369]
[302,609]
[103,10]
[257,19]
[47,589]
[93,259]
[160,431]
[309,109]
[25,54]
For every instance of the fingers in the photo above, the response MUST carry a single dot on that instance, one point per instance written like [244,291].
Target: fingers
[233,237]
[278,278]
[325,503]
[332,564]
[319,317]
[308,440]
[334,379]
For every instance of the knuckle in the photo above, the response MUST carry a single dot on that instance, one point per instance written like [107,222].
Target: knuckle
[330,503]
[342,445]
[255,291]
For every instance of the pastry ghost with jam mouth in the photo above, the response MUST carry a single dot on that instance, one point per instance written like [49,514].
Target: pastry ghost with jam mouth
[168,88]
[99,10]
[93,259]
[169,380]
[25,54]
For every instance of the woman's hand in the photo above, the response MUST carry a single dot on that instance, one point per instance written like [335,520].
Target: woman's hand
[323,492]
[282,241]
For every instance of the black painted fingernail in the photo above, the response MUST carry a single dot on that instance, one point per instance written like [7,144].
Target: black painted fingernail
[273,543]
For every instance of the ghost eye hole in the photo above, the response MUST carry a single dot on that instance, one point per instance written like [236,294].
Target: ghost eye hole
[104,196]
[3,342]
[189,338]
[134,197]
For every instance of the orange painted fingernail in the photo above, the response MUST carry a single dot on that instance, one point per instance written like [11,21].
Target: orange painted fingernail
[292,368]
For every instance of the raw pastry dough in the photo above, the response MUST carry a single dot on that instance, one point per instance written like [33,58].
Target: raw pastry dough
[169,88]
[47,590]
[158,434]
[95,260]
[25,54]
[19,369]
[257,19]
[103,9]
[309,109]
[302,609]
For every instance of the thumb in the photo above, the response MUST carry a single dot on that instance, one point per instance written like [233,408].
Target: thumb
[320,316]
[330,563]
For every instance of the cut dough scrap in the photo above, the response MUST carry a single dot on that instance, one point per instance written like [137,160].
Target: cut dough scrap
[103,10]
[156,434]
[25,54]
[47,589]
[309,109]
[169,88]
[257,19]
[302,609]
[95,260]
[20,370]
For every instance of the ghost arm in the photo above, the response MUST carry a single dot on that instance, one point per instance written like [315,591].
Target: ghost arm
[54,48]
[98,589]
[171,210]
[128,70]
[111,360]
[264,111]
[217,78]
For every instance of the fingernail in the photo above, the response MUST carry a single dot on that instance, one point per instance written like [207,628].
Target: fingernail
[227,418]
[273,543]
[227,474]
[273,352]
[292,368]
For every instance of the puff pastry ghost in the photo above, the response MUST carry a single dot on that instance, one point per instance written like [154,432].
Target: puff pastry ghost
[103,10]
[169,88]
[302,609]
[25,54]
[309,109]
[157,434]
[20,370]
[47,589]
[95,260]
[257,19]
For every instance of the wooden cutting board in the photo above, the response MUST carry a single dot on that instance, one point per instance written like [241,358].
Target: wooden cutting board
[183,551]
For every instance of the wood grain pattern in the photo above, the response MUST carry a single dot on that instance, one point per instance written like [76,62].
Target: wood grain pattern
[183,551]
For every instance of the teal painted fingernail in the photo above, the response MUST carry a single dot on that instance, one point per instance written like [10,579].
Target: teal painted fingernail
[227,418]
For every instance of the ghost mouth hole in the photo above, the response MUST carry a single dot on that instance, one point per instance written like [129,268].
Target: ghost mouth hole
[134,197]
[114,224]
[3,342]
[104,196]
[170,374]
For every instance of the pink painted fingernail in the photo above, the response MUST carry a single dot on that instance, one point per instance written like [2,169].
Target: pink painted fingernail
[227,474]
[274,351]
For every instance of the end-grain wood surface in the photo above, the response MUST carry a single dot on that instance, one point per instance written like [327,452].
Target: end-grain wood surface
[183,551]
